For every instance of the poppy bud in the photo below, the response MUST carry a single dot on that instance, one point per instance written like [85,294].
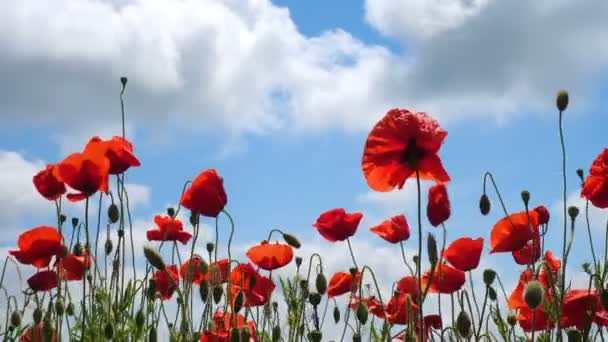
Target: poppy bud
[238,301]
[484,205]
[511,319]
[489,275]
[463,324]
[108,331]
[533,294]
[304,284]
[154,258]
[204,290]
[152,335]
[291,240]
[431,249]
[194,218]
[108,247]
[113,213]
[151,290]
[123,81]
[276,333]
[235,335]
[62,218]
[140,319]
[171,212]
[121,233]
[314,298]
[321,283]
[210,247]
[74,222]
[218,291]
[315,336]
[47,329]
[562,100]
[525,196]
[356,337]
[353,270]
[604,298]
[336,314]
[573,212]
[77,249]
[574,335]
[204,267]
[415,259]
[492,294]
[37,315]
[70,309]
[580,174]
[275,306]
[15,319]
[245,334]
[298,261]
[362,313]
[59,307]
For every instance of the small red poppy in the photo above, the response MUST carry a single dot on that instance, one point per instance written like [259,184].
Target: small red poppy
[218,272]
[86,173]
[206,195]
[166,282]
[269,256]
[464,253]
[118,150]
[408,285]
[37,246]
[43,281]
[36,334]
[341,283]
[73,267]
[446,279]
[191,269]
[400,144]
[553,263]
[438,207]
[393,230]
[579,308]
[595,186]
[169,229]
[241,278]
[511,233]
[399,307]
[539,316]
[337,225]
[48,185]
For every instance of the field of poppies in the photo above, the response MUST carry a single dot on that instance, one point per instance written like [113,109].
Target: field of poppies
[84,283]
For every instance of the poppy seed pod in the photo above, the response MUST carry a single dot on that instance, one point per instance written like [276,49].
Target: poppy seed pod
[292,240]
[353,270]
[489,275]
[171,212]
[463,324]
[533,294]
[362,313]
[154,258]
[484,204]
[314,298]
[108,247]
[120,233]
[47,329]
[315,336]
[77,249]
[62,218]
[113,213]
[218,291]
[580,174]
[15,319]
[321,283]
[210,246]
[123,81]
[431,249]
[298,261]
[562,100]
[573,212]
[74,222]
[336,315]
[525,196]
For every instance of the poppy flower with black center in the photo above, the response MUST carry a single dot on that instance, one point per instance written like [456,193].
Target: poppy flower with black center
[218,272]
[37,246]
[43,281]
[337,225]
[118,150]
[73,267]
[168,229]
[241,278]
[438,207]
[402,143]
[191,270]
[47,183]
[86,173]
[166,282]
[464,253]
[393,230]
[270,256]
[341,283]
[446,279]
[36,334]
[206,194]
[580,306]
[511,233]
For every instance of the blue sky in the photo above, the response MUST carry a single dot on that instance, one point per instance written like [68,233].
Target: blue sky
[282,166]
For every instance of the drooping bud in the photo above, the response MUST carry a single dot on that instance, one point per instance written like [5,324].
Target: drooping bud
[321,283]
[431,249]
[276,333]
[108,331]
[108,247]
[210,246]
[525,196]
[123,81]
[534,294]
[171,212]
[336,314]
[573,212]
[154,258]
[74,222]
[362,313]
[218,291]
[113,213]
[489,275]
[292,240]
[562,100]
[15,319]
[463,324]
[484,204]
[580,174]
[314,298]
[315,336]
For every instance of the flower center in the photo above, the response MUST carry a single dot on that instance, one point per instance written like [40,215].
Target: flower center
[412,154]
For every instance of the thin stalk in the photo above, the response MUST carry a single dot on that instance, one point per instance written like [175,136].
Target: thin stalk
[564,212]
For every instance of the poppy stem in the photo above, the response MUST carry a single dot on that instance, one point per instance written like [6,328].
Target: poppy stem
[419,260]
[564,207]
[405,259]
[590,238]
[84,278]
[350,249]
[473,293]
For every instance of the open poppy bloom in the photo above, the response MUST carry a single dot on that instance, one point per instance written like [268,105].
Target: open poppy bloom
[224,323]
[47,183]
[534,320]
[269,256]
[37,246]
[399,308]
[218,272]
[511,233]
[337,225]
[595,186]
[530,252]
[438,207]
[446,279]
[166,281]
[43,281]
[400,144]
[169,229]
[393,230]
[73,267]
[86,173]
[36,334]
[408,285]
[191,270]
[118,150]
[464,253]
[341,283]
[580,307]
[241,278]
[206,195]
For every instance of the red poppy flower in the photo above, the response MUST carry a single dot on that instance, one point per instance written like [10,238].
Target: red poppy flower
[337,225]
[400,144]
[438,207]
[511,233]
[37,246]
[43,281]
[36,334]
[464,253]
[446,279]
[595,186]
[206,195]
[398,310]
[119,152]
[270,256]
[169,229]
[166,281]
[541,320]
[218,272]
[408,285]
[224,323]
[553,263]
[73,267]
[516,299]
[48,185]
[577,304]
[191,269]
[530,252]
[543,214]
[373,305]
[393,230]
[241,278]
[84,172]
[341,283]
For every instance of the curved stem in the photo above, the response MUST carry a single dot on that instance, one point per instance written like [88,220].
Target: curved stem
[352,255]
[502,203]
[564,212]
[405,259]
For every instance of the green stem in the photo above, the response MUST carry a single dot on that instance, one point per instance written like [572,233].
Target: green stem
[352,255]
[419,261]
[564,207]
